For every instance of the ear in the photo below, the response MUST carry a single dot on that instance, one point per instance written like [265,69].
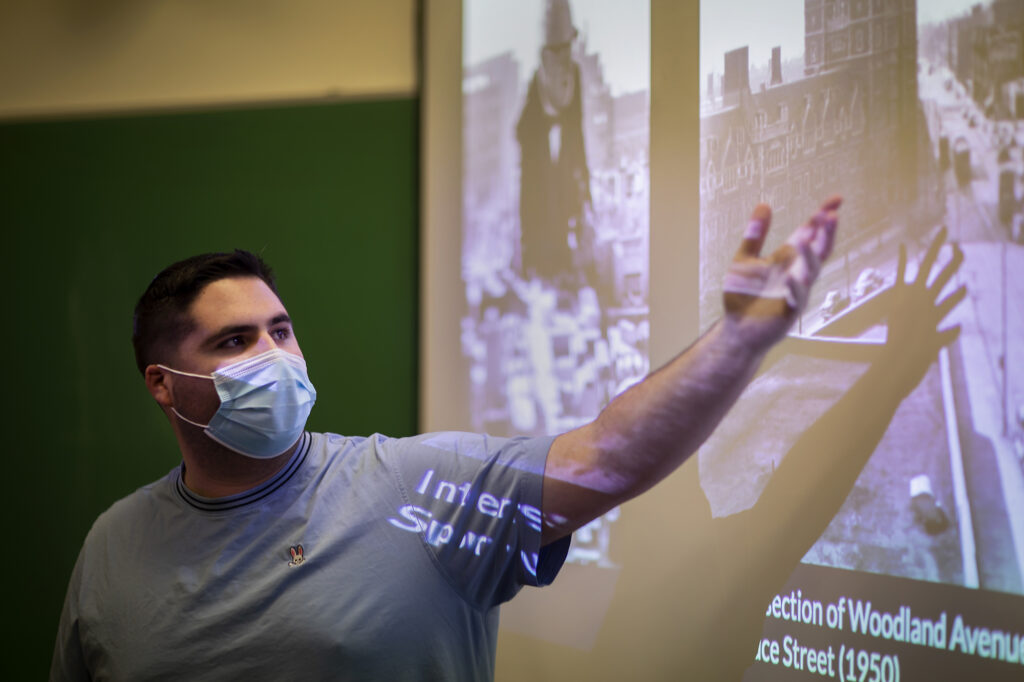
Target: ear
[158,384]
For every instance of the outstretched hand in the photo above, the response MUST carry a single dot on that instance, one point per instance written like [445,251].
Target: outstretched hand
[914,338]
[763,296]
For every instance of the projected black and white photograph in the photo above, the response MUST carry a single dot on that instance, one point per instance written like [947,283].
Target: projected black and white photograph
[555,230]
[914,112]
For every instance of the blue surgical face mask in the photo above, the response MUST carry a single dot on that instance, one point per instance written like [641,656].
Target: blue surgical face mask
[264,403]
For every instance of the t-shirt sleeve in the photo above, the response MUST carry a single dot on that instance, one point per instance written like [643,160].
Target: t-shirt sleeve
[476,502]
[68,663]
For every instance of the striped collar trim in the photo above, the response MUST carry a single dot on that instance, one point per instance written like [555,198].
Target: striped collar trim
[220,504]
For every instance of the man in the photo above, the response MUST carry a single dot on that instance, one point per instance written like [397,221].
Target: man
[275,553]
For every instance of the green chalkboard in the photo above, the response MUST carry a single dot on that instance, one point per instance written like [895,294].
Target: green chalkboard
[91,209]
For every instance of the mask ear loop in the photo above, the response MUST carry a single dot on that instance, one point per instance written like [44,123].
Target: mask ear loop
[186,419]
[186,374]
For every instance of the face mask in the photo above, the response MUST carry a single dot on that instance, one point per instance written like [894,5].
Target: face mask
[264,403]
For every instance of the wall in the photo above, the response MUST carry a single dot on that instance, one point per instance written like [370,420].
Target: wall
[74,56]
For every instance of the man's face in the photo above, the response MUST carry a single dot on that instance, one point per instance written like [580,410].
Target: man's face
[234,318]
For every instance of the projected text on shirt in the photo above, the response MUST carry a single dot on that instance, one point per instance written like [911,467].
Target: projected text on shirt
[454,495]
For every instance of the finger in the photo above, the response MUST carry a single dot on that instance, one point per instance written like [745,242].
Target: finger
[832,203]
[825,237]
[901,266]
[948,336]
[951,302]
[757,229]
[929,257]
[802,273]
[950,269]
[825,218]
[805,233]
[798,281]
[796,294]
[810,261]
[784,256]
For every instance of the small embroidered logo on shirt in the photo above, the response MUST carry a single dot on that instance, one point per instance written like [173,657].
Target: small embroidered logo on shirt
[297,557]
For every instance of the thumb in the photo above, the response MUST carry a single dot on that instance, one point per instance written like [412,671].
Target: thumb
[757,229]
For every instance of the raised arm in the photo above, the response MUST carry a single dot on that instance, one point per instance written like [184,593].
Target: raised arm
[649,430]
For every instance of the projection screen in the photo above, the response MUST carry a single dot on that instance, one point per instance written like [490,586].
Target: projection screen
[589,168]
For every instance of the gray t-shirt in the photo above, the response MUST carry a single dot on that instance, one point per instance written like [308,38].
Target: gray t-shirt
[362,559]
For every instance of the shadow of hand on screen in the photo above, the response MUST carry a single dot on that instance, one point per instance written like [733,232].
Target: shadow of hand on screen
[726,570]
[818,472]
[816,475]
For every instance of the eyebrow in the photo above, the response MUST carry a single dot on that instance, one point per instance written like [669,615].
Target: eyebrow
[231,330]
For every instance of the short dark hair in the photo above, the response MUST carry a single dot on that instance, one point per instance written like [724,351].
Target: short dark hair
[161,318]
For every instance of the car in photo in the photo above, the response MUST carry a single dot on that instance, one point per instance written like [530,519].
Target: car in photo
[834,302]
[868,280]
[962,160]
